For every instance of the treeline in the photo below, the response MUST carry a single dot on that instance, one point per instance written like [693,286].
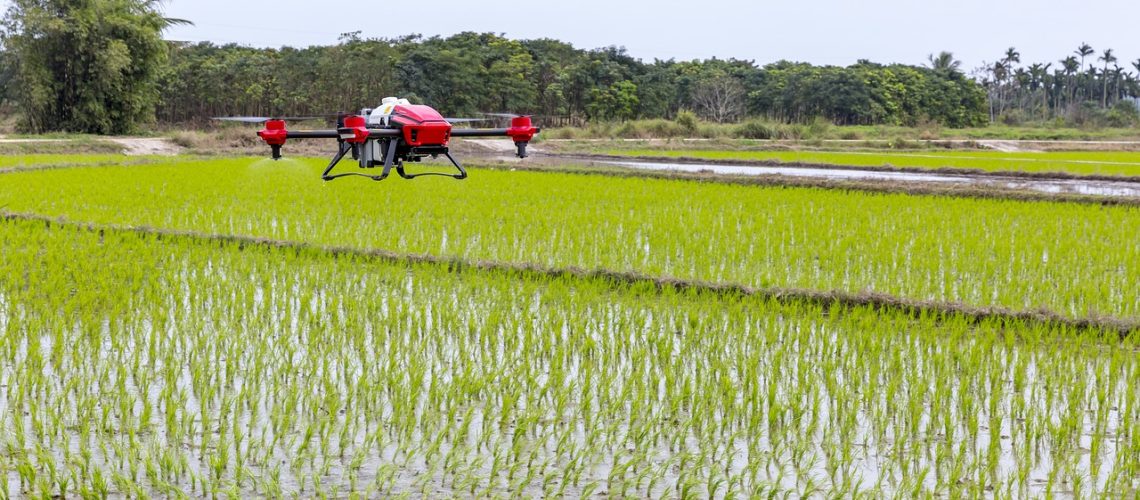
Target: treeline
[1081,87]
[101,66]
[469,73]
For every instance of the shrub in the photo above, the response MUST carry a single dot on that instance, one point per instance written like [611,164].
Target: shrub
[687,120]
[792,132]
[818,129]
[1123,114]
[754,129]
[628,130]
[664,128]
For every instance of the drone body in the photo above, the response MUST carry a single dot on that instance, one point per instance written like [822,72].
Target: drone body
[394,134]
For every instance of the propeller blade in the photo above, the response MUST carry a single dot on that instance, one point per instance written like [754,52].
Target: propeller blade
[504,115]
[242,119]
[263,119]
[466,120]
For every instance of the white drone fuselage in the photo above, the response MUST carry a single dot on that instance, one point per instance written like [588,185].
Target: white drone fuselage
[379,117]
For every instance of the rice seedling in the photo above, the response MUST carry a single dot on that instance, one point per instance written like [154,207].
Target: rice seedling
[16,162]
[1078,261]
[138,364]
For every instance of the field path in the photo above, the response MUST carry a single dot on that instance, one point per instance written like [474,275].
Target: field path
[147,146]
[132,146]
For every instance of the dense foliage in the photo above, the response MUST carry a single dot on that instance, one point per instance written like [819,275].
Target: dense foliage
[84,65]
[472,72]
[101,66]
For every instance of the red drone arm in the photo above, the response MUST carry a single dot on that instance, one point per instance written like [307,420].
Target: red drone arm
[421,130]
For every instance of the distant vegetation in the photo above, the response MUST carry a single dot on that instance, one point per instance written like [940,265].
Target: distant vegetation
[1068,91]
[100,66]
[90,66]
[471,72]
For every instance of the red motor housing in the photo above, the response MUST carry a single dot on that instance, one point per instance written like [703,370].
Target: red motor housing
[274,133]
[522,130]
[422,125]
[355,130]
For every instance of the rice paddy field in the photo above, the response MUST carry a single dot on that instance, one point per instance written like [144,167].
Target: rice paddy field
[235,328]
[1083,163]
[39,161]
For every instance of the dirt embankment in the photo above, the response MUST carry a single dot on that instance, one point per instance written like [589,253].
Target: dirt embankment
[147,146]
[131,146]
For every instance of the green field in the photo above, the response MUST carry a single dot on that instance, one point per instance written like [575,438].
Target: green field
[12,162]
[145,353]
[1077,163]
[1072,259]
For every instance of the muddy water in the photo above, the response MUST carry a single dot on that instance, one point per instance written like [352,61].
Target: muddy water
[1057,186]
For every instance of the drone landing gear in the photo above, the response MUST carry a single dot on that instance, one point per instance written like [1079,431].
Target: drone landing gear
[343,150]
[390,160]
[447,154]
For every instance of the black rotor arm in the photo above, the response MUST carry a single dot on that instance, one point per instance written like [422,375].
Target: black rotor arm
[494,132]
[373,133]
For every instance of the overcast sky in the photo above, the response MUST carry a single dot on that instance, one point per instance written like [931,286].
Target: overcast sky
[817,31]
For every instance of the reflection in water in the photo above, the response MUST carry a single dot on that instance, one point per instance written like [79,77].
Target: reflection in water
[1068,186]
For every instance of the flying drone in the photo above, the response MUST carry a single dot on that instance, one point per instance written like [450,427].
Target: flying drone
[392,135]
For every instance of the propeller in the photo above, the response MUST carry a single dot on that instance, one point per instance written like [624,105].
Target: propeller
[263,119]
[504,115]
[466,120]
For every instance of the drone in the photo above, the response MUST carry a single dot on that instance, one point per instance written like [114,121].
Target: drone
[392,135]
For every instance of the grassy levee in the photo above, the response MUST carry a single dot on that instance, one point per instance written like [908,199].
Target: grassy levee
[1089,164]
[140,364]
[39,161]
[1077,261]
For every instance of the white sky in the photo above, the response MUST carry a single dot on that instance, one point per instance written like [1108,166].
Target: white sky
[816,31]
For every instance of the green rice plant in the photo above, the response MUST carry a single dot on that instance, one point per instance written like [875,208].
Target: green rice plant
[32,161]
[1077,261]
[141,364]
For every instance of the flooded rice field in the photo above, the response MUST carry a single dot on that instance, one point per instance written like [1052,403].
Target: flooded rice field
[1121,188]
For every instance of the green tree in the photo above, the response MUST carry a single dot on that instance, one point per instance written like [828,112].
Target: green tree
[86,65]
[1108,57]
[1071,68]
[1084,50]
[617,102]
[944,62]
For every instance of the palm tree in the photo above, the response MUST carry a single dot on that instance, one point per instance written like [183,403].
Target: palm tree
[1058,89]
[1108,58]
[1117,81]
[156,5]
[1072,66]
[944,63]
[1011,56]
[1023,80]
[1000,75]
[1039,79]
[1084,51]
